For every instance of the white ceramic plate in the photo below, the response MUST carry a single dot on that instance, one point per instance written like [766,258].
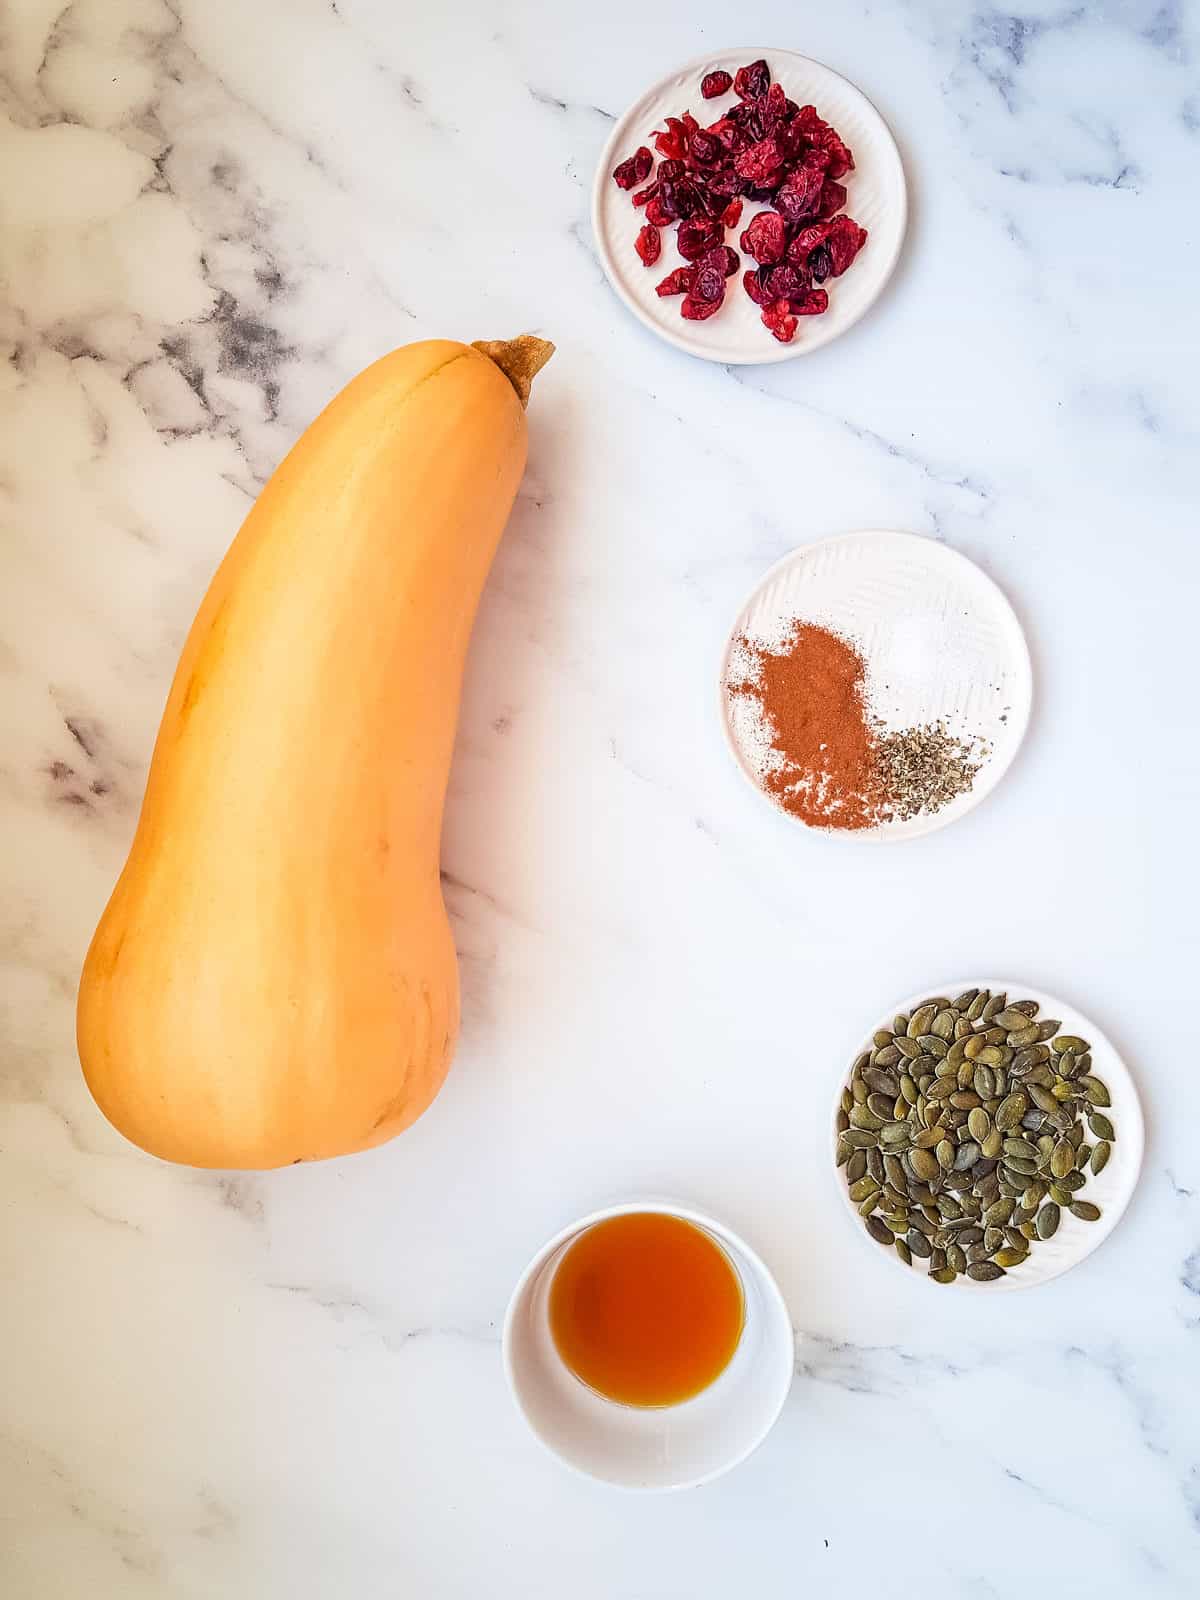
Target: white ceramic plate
[1111,1191]
[940,641]
[668,1447]
[877,199]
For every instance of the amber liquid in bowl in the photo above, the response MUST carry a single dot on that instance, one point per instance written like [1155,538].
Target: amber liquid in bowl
[646,1309]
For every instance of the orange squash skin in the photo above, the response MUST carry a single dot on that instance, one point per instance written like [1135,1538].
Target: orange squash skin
[274,978]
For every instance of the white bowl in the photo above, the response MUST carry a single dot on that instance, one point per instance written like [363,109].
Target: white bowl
[672,1447]
[877,199]
[940,639]
[1111,1191]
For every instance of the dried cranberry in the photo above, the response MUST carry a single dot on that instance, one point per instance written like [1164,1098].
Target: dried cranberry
[726,184]
[833,198]
[677,282]
[732,214]
[723,259]
[765,238]
[784,282]
[658,214]
[800,193]
[830,246]
[705,148]
[761,163]
[648,244]
[752,282]
[810,304]
[690,122]
[634,171]
[668,171]
[709,284]
[694,310]
[818,132]
[752,81]
[672,141]
[694,239]
[727,132]
[844,240]
[714,84]
[643,195]
[745,119]
[778,317]
[772,108]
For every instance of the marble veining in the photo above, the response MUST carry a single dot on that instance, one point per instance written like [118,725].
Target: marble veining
[288,1384]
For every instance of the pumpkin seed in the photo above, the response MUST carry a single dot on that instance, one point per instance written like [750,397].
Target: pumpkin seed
[1067,1064]
[858,1139]
[1101,1127]
[919,1244]
[943,1024]
[871,1203]
[998,1212]
[1010,1111]
[928,1138]
[1069,1041]
[923,1164]
[1010,1257]
[1020,1037]
[1085,1211]
[1047,1028]
[993,1238]
[855,1164]
[903,1252]
[879,1230]
[844,1152]
[896,1134]
[887,1056]
[984,1081]
[921,1019]
[1062,1091]
[875,1164]
[975,1009]
[1100,1157]
[979,1124]
[1010,1018]
[1047,1220]
[944,1275]
[984,1271]
[993,1144]
[966,1156]
[865,1186]
[1096,1091]
[945,1155]
[881,1106]
[1063,1159]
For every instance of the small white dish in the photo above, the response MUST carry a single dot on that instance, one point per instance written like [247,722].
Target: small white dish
[671,1447]
[877,199]
[1111,1191]
[940,640]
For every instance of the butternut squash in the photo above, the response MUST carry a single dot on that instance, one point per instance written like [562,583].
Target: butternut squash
[274,978]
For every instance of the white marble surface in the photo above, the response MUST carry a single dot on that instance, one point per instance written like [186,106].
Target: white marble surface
[213,212]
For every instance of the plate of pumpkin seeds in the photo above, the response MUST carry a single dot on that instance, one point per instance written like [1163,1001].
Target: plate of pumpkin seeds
[986,1135]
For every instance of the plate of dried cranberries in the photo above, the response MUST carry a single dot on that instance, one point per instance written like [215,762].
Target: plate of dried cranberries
[750,207]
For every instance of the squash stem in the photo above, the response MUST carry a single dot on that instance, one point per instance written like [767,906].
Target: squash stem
[520,359]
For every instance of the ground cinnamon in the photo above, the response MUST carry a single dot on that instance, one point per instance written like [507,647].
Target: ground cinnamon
[810,694]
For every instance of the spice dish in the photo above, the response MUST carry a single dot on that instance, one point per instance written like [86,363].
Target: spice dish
[876,201]
[1100,1190]
[876,685]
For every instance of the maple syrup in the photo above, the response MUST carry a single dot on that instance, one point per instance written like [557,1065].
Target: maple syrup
[646,1309]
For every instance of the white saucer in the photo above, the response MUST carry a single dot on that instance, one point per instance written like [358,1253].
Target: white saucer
[877,199]
[668,1447]
[940,639]
[1111,1190]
